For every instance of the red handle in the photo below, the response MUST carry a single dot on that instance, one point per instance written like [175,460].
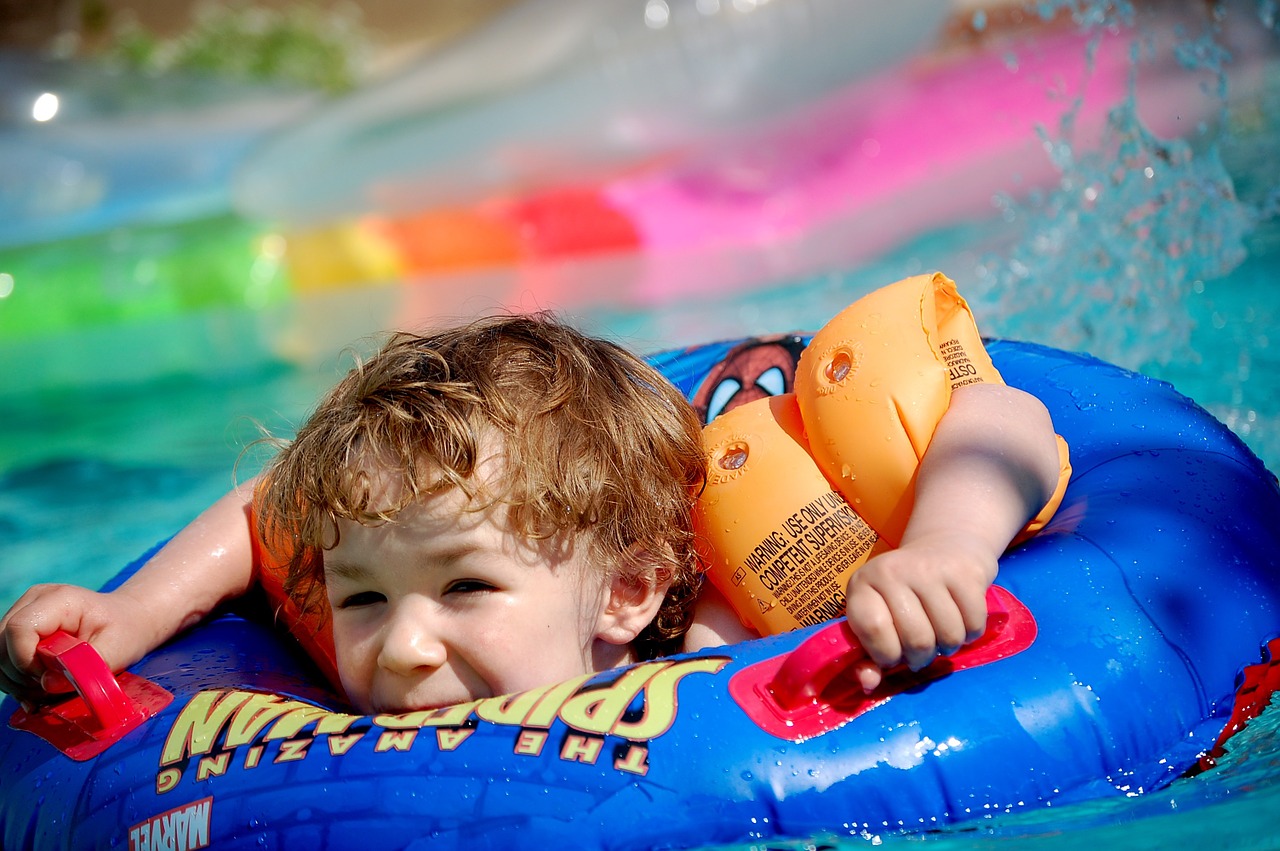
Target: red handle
[812,666]
[795,696]
[104,709]
[110,707]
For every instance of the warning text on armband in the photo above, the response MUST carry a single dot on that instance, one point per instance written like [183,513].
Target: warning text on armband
[960,370]
[799,562]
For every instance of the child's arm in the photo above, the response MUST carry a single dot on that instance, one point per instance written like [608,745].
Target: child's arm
[209,561]
[991,465]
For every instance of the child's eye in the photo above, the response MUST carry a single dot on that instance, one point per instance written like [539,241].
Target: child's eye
[361,598]
[468,586]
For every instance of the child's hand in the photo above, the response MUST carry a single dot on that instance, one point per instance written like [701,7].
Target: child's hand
[924,599]
[112,623]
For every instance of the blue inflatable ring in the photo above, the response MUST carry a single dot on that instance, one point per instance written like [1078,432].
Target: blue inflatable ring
[1148,607]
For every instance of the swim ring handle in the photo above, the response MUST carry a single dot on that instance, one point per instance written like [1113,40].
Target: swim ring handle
[798,695]
[93,681]
[811,667]
[104,708]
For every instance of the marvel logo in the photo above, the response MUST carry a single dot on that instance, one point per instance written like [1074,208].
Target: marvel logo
[180,829]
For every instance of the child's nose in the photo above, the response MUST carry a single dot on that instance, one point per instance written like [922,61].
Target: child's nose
[410,641]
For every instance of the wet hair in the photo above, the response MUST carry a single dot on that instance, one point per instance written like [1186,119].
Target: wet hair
[597,448]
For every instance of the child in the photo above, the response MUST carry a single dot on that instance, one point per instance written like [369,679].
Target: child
[508,504]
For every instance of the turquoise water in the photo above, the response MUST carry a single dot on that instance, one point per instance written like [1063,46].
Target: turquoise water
[92,473]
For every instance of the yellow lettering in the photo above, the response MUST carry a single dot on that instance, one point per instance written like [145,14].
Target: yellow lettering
[297,716]
[196,728]
[335,723]
[544,712]
[660,702]
[445,716]
[585,749]
[598,710]
[293,750]
[449,740]
[400,740]
[253,757]
[530,742]
[635,760]
[338,745]
[254,715]
[510,709]
[212,766]
[167,779]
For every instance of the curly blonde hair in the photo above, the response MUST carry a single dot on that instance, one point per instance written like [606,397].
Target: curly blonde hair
[597,447]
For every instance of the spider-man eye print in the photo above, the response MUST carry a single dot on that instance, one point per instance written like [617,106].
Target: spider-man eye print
[759,367]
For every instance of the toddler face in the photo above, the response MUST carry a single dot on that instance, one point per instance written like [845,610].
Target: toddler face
[446,605]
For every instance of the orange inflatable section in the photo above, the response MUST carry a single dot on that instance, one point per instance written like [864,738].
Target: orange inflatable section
[782,558]
[498,232]
[873,384]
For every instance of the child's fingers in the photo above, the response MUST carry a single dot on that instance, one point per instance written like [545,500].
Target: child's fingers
[948,619]
[916,631]
[971,601]
[890,624]
[10,685]
[898,624]
[912,606]
[868,675]
[39,613]
[55,682]
[18,639]
[915,615]
[872,624]
[14,680]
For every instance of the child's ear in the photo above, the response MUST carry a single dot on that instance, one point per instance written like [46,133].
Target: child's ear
[635,594]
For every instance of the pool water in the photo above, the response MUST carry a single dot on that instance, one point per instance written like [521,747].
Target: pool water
[91,474]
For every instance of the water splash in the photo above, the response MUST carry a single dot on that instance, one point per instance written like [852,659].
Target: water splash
[1108,257]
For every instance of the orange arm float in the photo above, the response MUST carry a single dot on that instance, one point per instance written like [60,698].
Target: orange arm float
[313,626]
[870,390]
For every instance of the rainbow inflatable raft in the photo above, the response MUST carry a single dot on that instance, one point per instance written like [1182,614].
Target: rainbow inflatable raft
[1127,641]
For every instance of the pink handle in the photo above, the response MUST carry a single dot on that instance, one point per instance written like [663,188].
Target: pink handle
[92,679]
[797,695]
[812,666]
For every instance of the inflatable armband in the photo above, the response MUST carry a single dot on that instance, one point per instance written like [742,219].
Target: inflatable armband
[869,391]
